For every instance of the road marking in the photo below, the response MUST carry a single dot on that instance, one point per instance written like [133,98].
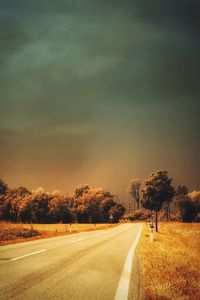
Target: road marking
[77,241]
[123,285]
[29,254]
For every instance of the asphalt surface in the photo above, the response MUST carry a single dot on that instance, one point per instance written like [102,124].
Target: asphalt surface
[88,265]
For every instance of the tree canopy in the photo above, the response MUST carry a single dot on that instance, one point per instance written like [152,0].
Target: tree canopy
[84,206]
[157,190]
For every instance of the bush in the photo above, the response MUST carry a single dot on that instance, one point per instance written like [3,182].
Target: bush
[138,215]
[13,233]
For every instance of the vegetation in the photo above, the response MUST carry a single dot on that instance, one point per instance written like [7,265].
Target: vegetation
[157,194]
[13,232]
[134,191]
[87,205]
[188,204]
[137,215]
[170,265]
[94,205]
[157,191]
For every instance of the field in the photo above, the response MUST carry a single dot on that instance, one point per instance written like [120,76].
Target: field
[171,263]
[13,233]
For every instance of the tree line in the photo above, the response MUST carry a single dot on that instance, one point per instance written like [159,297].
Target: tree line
[86,205]
[157,192]
[94,205]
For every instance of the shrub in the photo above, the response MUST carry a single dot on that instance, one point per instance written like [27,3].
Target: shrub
[138,215]
[14,232]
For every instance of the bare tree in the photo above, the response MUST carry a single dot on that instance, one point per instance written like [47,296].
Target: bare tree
[134,191]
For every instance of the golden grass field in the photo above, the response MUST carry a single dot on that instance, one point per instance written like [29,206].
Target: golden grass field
[171,263]
[66,227]
[14,233]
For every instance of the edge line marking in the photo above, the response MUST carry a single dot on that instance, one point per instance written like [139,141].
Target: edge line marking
[123,285]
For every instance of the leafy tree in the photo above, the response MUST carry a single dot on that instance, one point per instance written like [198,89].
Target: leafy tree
[3,187]
[58,209]
[195,198]
[117,212]
[189,205]
[5,206]
[25,209]
[38,206]
[22,191]
[81,189]
[157,190]
[134,191]
[181,191]
[187,212]
[184,203]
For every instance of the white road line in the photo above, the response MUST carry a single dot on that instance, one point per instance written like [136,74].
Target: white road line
[29,254]
[76,241]
[123,285]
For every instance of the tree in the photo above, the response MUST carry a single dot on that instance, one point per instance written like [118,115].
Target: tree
[157,190]
[38,206]
[134,191]
[187,212]
[81,189]
[195,198]
[117,212]
[3,187]
[25,209]
[181,191]
[58,209]
[184,203]
[22,191]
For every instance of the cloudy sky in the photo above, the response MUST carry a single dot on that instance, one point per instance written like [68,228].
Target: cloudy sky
[99,92]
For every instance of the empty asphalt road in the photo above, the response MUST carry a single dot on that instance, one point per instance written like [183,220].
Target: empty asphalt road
[88,265]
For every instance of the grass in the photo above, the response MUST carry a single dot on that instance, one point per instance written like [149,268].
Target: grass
[171,263]
[13,233]
[66,227]
[10,231]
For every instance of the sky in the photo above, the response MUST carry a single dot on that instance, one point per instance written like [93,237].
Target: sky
[99,92]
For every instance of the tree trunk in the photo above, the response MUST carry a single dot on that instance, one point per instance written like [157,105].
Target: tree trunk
[156,221]
[138,205]
[151,218]
[169,212]
[134,204]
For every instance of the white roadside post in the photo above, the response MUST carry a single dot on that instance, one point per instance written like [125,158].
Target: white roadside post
[152,232]
[111,219]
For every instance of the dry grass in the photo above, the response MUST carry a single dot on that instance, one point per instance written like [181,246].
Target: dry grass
[13,233]
[171,264]
[10,231]
[66,227]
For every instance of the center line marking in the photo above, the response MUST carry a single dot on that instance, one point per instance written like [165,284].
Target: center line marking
[29,254]
[77,241]
[123,286]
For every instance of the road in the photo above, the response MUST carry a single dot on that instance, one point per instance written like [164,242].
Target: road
[88,265]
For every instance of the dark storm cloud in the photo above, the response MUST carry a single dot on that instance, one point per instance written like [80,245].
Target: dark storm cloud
[177,14]
[41,7]
[83,82]
[175,60]
[12,36]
